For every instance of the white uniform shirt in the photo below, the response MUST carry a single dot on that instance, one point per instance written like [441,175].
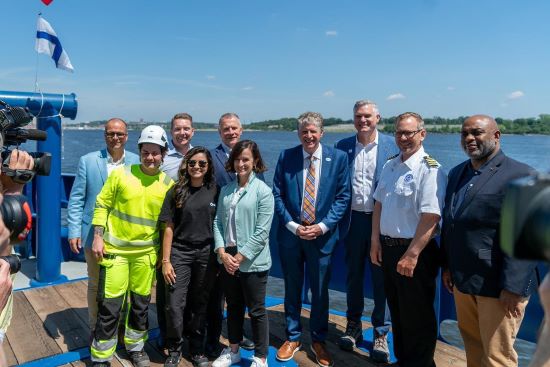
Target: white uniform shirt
[406,190]
[362,179]
[317,155]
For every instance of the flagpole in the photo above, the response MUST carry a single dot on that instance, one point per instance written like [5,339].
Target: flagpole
[36,67]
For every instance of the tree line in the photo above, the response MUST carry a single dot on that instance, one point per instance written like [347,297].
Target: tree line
[530,125]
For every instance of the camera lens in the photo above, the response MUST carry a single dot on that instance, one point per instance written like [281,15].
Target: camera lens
[16,215]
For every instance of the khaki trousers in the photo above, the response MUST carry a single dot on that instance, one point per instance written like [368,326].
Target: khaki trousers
[93,277]
[487,333]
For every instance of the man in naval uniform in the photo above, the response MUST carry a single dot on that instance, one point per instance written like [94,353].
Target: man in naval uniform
[409,202]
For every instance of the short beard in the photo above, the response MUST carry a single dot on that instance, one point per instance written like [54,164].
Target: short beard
[485,150]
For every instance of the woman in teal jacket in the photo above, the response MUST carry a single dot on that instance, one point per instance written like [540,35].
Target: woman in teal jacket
[241,235]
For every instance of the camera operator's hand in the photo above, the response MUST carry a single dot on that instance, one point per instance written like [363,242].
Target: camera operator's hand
[5,248]
[510,301]
[75,244]
[5,283]
[19,160]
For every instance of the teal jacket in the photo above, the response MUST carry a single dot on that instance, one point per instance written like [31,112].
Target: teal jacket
[253,216]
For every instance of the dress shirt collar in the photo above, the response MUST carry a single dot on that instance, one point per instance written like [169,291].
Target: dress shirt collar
[316,154]
[110,159]
[176,153]
[226,149]
[375,141]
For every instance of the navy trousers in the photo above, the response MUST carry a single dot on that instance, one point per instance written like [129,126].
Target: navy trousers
[357,246]
[317,265]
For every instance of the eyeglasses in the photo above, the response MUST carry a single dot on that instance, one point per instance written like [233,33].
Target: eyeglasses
[112,134]
[407,134]
[193,162]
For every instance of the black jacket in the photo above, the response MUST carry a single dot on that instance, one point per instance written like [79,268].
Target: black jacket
[470,238]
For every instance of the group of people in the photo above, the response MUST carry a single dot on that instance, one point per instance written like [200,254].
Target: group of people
[203,217]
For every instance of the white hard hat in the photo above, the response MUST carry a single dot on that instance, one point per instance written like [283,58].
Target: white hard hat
[154,134]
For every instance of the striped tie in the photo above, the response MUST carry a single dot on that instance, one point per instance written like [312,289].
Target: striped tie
[308,208]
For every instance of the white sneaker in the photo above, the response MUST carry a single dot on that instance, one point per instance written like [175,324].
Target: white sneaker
[227,358]
[257,362]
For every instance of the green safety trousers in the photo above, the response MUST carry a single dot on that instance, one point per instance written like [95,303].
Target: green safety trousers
[119,274]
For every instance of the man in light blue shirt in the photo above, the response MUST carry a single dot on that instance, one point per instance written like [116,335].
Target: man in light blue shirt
[182,131]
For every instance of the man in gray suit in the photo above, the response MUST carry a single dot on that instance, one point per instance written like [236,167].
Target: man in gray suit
[93,170]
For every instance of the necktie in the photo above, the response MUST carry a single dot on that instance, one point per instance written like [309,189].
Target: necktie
[308,208]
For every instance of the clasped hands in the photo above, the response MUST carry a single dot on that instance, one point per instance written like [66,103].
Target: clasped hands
[231,263]
[309,232]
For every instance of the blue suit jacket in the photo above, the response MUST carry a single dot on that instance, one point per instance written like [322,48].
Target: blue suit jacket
[222,176]
[333,195]
[219,158]
[385,149]
[90,177]
[470,237]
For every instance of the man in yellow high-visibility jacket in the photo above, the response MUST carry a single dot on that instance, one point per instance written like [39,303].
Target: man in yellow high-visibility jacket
[126,242]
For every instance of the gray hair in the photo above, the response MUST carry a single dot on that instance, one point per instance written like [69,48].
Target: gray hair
[228,115]
[365,102]
[416,116]
[310,118]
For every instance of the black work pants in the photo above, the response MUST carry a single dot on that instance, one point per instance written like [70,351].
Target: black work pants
[214,308]
[411,303]
[247,290]
[191,291]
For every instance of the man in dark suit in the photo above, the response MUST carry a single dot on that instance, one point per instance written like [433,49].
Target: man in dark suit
[230,130]
[312,192]
[491,290]
[367,152]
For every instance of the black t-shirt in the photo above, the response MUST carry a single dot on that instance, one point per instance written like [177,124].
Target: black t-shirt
[193,222]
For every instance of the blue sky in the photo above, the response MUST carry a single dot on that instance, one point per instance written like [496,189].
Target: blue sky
[270,59]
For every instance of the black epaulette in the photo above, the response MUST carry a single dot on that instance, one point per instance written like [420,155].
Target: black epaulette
[431,162]
[393,156]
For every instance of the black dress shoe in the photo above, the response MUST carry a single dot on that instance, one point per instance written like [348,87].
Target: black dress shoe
[247,344]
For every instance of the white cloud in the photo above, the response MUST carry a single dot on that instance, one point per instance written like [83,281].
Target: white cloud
[329,93]
[395,96]
[515,95]
[331,33]
[450,88]
[247,88]
[211,77]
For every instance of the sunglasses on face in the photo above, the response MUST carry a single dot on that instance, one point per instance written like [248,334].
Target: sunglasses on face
[193,162]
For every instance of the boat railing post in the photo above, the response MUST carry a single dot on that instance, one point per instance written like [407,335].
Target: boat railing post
[48,109]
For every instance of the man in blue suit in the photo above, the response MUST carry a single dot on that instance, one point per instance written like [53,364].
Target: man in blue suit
[93,170]
[367,152]
[491,289]
[312,193]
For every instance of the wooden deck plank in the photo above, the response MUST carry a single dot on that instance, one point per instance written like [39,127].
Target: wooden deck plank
[62,322]
[76,295]
[27,336]
[8,353]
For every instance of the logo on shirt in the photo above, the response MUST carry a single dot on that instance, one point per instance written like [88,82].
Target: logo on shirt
[408,178]
[212,204]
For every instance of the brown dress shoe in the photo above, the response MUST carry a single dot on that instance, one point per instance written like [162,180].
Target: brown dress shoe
[321,354]
[287,350]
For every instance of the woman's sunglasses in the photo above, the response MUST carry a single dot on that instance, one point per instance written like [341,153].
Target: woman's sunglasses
[193,162]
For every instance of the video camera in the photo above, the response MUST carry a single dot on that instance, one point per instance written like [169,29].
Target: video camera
[15,210]
[525,218]
[11,133]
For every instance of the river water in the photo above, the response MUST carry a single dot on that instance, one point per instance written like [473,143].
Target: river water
[445,148]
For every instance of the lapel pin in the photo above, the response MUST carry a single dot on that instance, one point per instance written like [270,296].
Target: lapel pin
[350,151]
[328,159]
